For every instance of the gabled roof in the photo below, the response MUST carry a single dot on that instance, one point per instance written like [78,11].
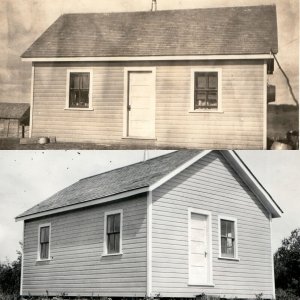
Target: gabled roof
[210,31]
[13,110]
[139,178]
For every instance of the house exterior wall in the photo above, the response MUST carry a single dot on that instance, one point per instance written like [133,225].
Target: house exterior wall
[77,266]
[239,125]
[210,185]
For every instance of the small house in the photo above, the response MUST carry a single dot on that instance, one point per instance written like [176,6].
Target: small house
[190,78]
[176,226]
[14,119]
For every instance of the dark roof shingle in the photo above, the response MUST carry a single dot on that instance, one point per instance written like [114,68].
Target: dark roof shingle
[120,180]
[210,31]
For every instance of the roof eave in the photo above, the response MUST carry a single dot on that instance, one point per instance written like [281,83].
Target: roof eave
[253,183]
[148,58]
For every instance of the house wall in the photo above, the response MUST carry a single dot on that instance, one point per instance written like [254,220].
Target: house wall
[211,185]
[240,125]
[77,266]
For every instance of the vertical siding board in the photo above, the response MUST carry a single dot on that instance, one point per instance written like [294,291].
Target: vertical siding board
[250,275]
[77,266]
[239,126]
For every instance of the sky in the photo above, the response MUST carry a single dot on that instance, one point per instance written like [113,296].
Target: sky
[29,177]
[23,21]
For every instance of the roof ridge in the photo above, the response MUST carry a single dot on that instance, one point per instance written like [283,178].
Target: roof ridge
[169,10]
[140,162]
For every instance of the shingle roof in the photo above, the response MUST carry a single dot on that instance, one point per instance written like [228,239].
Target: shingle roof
[210,31]
[120,180]
[13,110]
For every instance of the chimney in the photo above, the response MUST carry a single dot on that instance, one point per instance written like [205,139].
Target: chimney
[154,5]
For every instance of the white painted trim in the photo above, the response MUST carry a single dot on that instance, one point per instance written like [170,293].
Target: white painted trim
[149,244]
[79,70]
[149,58]
[84,204]
[272,260]
[206,69]
[265,105]
[178,170]
[39,245]
[209,238]
[22,262]
[108,213]
[236,250]
[253,184]
[126,95]
[31,100]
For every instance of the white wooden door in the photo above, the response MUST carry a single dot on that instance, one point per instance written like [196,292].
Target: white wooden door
[141,104]
[199,248]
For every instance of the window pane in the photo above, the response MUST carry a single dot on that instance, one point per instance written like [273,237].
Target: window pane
[223,245]
[200,81]
[44,250]
[44,234]
[117,223]
[200,101]
[223,228]
[212,101]
[213,81]
[117,242]
[110,224]
[86,81]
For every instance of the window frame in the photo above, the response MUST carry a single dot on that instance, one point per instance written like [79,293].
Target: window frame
[39,242]
[234,220]
[209,239]
[192,103]
[106,214]
[79,70]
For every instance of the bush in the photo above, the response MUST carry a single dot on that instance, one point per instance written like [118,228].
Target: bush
[285,295]
[10,276]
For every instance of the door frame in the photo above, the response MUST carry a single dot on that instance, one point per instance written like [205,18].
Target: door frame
[126,98]
[209,241]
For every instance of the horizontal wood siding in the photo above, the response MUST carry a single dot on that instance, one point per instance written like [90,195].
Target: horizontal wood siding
[211,185]
[240,125]
[77,266]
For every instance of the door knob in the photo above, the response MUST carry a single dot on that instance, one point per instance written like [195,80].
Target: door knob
[205,253]
[129,107]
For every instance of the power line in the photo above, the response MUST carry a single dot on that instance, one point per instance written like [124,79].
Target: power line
[287,79]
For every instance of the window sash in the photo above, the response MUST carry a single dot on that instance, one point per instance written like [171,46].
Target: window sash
[79,89]
[206,90]
[44,242]
[113,233]
[227,237]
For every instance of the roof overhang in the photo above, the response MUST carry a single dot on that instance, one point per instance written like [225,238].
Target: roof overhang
[231,156]
[148,58]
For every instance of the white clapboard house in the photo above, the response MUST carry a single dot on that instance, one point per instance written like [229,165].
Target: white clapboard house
[175,226]
[194,78]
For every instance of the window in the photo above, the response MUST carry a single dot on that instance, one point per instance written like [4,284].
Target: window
[79,89]
[44,242]
[228,238]
[206,90]
[113,233]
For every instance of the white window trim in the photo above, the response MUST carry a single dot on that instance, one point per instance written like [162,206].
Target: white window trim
[108,213]
[206,69]
[39,242]
[210,269]
[125,100]
[226,218]
[79,70]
